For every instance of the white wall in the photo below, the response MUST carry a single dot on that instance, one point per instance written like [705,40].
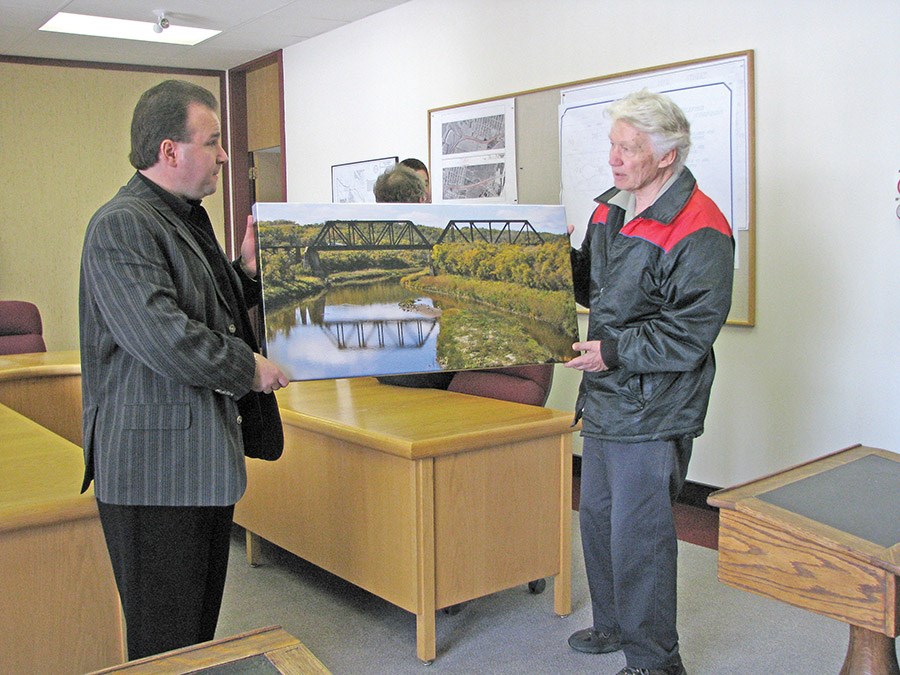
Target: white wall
[64,141]
[820,370]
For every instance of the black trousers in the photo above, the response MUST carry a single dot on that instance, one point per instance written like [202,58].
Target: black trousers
[170,564]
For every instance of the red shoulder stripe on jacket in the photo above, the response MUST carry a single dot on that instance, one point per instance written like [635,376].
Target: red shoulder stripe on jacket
[600,213]
[705,214]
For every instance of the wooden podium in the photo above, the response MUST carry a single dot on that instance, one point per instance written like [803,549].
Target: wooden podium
[823,536]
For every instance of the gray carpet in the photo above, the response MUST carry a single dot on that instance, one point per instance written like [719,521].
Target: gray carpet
[722,630]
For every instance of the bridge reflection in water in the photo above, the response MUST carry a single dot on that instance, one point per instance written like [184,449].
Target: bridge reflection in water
[412,333]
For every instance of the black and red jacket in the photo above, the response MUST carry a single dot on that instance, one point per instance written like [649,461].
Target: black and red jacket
[659,290]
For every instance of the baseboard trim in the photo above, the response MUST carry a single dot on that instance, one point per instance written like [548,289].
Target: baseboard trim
[695,494]
[692,494]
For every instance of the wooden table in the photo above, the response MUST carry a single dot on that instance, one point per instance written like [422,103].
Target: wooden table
[425,498]
[266,650]
[823,536]
[60,604]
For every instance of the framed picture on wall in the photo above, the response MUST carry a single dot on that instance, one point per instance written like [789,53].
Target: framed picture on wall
[473,153]
[354,182]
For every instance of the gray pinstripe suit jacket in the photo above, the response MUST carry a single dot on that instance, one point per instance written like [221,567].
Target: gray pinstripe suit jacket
[161,364]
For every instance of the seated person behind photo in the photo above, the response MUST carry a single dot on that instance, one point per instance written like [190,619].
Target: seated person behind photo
[419,167]
[402,184]
[408,182]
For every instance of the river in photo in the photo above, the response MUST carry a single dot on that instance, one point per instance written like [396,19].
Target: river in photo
[377,328]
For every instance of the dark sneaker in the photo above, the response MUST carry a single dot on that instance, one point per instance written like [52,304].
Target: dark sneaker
[674,669]
[591,641]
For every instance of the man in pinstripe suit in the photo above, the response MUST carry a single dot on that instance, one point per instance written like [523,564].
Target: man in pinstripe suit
[166,352]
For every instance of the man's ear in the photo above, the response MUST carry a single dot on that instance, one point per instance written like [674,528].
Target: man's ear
[168,152]
[668,159]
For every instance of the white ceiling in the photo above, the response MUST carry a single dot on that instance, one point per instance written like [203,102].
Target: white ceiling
[250,28]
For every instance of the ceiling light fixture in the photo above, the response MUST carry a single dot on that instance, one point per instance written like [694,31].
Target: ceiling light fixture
[100,26]
[161,21]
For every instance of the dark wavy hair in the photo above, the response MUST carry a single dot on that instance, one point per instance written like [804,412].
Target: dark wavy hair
[415,164]
[161,113]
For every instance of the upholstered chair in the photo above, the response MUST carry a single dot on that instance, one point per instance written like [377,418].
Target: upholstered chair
[520,384]
[21,329]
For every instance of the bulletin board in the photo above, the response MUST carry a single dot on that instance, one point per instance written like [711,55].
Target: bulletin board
[561,146]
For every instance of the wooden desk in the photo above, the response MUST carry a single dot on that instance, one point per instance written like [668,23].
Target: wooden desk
[264,650]
[425,498]
[824,536]
[60,604]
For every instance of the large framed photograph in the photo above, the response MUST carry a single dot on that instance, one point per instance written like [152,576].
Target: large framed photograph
[354,182]
[382,289]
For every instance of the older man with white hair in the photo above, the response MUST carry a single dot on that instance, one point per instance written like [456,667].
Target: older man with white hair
[655,269]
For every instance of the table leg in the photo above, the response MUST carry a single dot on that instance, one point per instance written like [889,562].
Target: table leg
[426,648]
[562,585]
[870,653]
[252,548]
[426,640]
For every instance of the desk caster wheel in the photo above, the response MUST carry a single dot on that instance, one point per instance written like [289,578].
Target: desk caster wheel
[427,663]
[537,586]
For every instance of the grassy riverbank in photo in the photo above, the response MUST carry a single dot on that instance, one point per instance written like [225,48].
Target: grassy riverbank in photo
[479,340]
[555,308]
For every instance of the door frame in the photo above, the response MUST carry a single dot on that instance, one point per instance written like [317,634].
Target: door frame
[241,199]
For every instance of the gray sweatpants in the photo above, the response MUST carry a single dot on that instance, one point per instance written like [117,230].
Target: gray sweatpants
[629,543]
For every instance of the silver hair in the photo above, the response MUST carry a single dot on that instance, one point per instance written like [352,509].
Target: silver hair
[660,118]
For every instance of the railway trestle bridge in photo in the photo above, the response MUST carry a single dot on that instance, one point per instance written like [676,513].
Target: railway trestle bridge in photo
[404,235]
